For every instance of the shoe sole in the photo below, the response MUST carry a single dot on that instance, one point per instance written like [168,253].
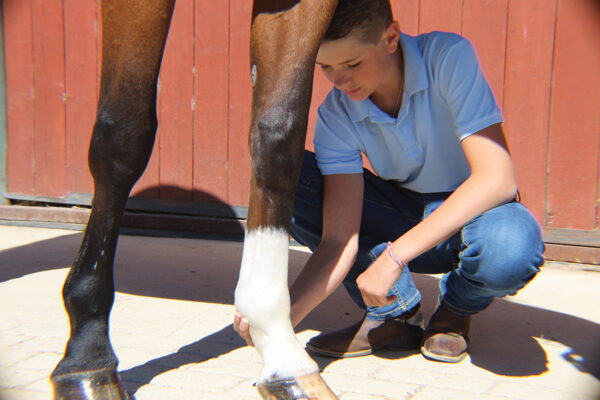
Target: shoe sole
[404,345]
[438,357]
[332,354]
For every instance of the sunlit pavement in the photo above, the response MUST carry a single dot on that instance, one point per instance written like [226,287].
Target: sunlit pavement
[171,328]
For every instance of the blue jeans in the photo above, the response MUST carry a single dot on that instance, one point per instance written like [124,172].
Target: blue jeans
[493,255]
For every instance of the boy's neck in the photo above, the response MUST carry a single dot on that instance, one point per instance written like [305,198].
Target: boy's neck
[389,96]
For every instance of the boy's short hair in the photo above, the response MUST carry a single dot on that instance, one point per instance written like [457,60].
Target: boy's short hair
[367,18]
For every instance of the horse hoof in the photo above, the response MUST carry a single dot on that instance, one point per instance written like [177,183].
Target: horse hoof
[308,387]
[104,384]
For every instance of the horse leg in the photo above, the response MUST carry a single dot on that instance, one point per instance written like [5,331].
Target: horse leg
[284,44]
[133,37]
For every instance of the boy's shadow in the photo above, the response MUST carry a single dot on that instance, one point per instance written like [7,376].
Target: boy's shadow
[503,337]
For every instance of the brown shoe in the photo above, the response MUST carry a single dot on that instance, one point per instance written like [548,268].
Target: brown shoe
[363,338]
[446,338]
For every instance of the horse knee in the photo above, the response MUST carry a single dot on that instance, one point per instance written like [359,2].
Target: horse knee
[277,148]
[88,296]
[121,146]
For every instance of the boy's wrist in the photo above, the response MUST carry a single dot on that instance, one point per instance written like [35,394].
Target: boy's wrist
[401,264]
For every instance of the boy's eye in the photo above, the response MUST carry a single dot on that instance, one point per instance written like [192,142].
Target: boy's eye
[354,65]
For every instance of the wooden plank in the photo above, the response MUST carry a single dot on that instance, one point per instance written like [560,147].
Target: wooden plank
[573,254]
[3,124]
[81,69]
[240,97]
[574,139]
[321,87]
[71,217]
[175,116]
[484,23]
[180,207]
[20,166]
[99,45]
[49,105]
[406,12]
[436,15]
[211,101]
[148,184]
[572,237]
[530,44]
[45,214]
[229,228]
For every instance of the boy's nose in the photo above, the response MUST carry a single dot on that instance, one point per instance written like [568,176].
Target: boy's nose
[340,81]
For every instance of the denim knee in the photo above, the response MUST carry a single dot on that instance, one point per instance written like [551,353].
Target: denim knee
[502,249]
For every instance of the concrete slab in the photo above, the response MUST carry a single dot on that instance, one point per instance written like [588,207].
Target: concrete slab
[171,328]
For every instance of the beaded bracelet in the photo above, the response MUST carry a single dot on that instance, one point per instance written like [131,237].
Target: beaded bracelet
[398,261]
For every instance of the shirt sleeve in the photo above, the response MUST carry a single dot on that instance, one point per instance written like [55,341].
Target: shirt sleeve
[337,150]
[465,90]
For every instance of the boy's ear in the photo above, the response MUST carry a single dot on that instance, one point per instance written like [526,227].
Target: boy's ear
[391,36]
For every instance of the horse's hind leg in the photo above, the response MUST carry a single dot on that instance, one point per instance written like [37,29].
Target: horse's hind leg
[283,52]
[134,33]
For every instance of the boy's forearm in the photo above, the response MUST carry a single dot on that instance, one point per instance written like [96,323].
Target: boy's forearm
[473,197]
[322,274]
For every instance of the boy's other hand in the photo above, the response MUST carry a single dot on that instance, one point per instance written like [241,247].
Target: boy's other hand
[376,282]
[242,327]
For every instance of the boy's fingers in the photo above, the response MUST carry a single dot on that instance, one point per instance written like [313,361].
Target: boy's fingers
[375,301]
[391,299]
[241,326]
[236,323]
[237,319]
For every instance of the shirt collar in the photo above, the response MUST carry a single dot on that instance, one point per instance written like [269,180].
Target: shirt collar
[415,80]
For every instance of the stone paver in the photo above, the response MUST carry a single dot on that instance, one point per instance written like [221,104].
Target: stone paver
[171,328]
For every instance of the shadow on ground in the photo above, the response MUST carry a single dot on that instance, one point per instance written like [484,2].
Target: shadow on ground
[502,340]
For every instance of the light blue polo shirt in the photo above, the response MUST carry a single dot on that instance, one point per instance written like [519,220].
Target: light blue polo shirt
[446,98]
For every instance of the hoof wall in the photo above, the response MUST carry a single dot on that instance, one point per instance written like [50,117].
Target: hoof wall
[91,385]
[309,387]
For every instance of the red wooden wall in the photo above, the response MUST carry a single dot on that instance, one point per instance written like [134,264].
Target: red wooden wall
[541,57]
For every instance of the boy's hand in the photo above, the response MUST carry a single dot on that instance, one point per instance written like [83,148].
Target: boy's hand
[241,326]
[376,282]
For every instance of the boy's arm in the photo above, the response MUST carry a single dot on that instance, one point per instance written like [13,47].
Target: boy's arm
[490,184]
[335,255]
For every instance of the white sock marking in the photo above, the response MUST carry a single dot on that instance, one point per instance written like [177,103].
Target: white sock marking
[262,296]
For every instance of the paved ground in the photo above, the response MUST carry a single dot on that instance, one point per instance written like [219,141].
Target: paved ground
[171,328]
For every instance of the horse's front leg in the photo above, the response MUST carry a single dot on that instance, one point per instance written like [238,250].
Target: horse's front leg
[134,33]
[283,51]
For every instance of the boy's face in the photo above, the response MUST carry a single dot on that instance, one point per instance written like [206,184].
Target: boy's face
[356,67]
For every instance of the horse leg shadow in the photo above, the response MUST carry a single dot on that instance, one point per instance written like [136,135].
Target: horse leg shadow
[207,348]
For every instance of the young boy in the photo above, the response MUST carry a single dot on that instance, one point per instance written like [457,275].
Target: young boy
[442,199]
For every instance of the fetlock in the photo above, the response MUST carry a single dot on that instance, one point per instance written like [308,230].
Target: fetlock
[88,349]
